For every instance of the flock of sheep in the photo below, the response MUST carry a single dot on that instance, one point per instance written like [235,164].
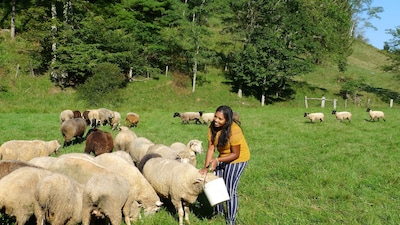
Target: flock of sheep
[318,116]
[127,175]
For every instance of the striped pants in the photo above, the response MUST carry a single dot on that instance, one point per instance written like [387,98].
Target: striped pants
[231,174]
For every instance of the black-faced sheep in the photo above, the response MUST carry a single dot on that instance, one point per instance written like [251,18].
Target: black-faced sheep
[98,142]
[66,115]
[7,166]
[207,117]
[188,116]
[131,119]
[115,121]
[375,115]
[106,196]
[314,116]
[342,115]
[180,182]
[140,188]
[123,139]
[58,200]
[25,150]
[73,128]
[17,192]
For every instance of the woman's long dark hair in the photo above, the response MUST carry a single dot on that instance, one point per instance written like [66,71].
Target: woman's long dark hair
[226,129]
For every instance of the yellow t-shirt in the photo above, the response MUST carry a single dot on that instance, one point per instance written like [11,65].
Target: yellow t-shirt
[236,138]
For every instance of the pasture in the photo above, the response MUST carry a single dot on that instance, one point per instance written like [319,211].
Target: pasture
[299,173]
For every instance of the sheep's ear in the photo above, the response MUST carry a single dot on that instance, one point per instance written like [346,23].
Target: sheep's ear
[159,203]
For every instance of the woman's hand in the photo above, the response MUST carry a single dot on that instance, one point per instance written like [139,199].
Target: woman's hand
[211,166]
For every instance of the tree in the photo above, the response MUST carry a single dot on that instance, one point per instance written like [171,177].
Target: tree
[394,52]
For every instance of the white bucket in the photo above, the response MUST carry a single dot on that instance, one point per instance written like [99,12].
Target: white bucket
[216,191]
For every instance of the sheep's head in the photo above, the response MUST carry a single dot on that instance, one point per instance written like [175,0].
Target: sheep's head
[176,114]
[196,146]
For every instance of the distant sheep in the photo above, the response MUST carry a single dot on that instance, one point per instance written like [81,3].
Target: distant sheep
[98,142]
[17,192]
[180,182]
[123,139]
[314,116]
[342,115]
[73,128]
[8,166]
[131,119]
[66,115]
[115,121]
[236,117]
[58,200]
[25,150]
[77,114]
[94,118]
[376,115]
[85,116]
[207,117]
[105,115]
[188,116]
[106,196]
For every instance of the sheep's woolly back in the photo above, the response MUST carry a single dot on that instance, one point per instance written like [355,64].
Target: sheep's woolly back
[8,166]
[25,150]
[342,115]
[16,193]
[146,158]
[189,116]
[124,138]
[66,115]
[43,161]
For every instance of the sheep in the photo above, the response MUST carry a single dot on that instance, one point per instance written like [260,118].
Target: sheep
[77,114]
[188,116]
[207,117]
[73,128]
[105,196]
[314,116]
[376,114]
[115,121]
[138,148]
[105,115]
[181,182]
[141,189]
[131,119]
[58,200]
[236,117]
[43,161]
[17,195]
[79,169]
[66,115]
[85,116]
[93,117]
[342,115]
[7,166]
[25,150]
[98,142]
[123,139]
[189,150]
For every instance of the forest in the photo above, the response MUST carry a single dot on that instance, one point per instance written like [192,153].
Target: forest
[258,45]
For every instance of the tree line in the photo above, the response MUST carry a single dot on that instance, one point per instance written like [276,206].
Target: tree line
[260,45]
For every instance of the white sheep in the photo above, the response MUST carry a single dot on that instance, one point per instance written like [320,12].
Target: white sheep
[314,116]
[376,115]
[58,200]
[138,148]
[123,139]
[188,116]
[17,192]
[66,115]
[115,121]
[105,116]
[25,150]
[192,148]
[342,115]
[106,196]
[43,161]
[94,118]
[207,117]
[180,182]
[140,188]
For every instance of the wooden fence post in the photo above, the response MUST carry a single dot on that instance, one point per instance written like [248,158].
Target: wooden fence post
[305,101]
[323,102]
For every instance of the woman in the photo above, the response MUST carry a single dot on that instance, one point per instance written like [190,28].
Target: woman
[225,135]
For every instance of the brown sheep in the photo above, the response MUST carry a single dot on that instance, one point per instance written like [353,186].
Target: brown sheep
[7,166]
[73,128]
[131,119]
[77,114]
[85,115]
[98,142]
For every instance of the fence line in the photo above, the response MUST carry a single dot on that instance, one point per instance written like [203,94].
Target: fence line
[323,100]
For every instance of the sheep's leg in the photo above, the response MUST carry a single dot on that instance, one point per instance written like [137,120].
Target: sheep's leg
[179,208]
[115,217]
[186,209]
